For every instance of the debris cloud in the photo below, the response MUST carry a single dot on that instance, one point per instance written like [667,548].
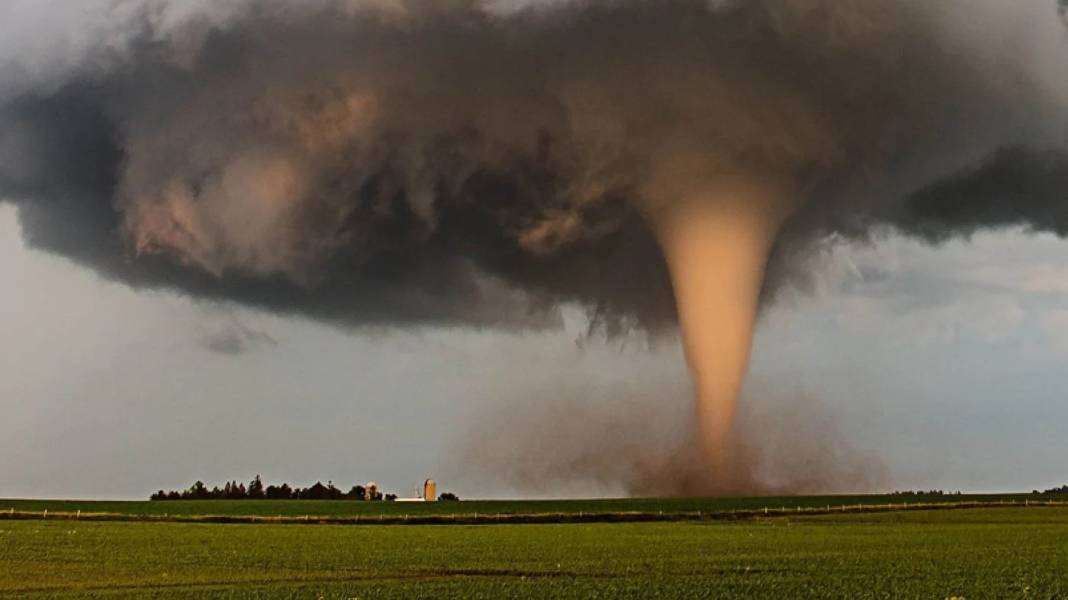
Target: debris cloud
[640,441]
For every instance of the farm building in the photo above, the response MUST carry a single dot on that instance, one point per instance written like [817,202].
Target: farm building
[430,493]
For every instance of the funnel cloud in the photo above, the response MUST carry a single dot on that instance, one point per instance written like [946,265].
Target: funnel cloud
[401,163]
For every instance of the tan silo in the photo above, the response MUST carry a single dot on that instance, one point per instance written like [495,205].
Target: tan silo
[430,490]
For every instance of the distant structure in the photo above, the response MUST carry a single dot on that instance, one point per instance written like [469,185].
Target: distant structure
[371,492]
[430,493]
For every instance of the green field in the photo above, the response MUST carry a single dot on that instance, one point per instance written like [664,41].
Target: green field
[346,508]
[981,553]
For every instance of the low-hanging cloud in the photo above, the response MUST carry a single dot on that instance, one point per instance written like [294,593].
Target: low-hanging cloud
[226,334]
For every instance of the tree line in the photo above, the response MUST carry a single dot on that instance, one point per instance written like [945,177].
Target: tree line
[255,490]
[1057,490]
[926,493]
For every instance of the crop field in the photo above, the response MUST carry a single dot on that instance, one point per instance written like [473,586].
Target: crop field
[349,508]
[981,553]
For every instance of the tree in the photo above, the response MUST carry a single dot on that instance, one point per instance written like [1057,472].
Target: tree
[198,492]
[316,492]
[357,493]
[448,497]
[332,493]
[255,488]
[282,492]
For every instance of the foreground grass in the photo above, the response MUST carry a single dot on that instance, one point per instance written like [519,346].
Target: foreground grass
[989,553]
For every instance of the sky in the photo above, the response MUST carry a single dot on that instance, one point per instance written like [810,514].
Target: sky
[461,246]
[945,362]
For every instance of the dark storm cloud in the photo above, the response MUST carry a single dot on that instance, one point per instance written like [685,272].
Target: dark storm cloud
[1015,187]
[425,162]
[62,166]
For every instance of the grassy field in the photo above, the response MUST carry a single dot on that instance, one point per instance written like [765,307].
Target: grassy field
[346,508]
[987,553]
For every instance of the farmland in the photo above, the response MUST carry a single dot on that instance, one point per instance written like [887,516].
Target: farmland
[982,553]
[343,508]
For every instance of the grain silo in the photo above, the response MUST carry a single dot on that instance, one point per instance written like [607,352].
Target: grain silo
[430,490]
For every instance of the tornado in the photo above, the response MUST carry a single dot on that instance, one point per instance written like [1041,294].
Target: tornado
[716,238]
